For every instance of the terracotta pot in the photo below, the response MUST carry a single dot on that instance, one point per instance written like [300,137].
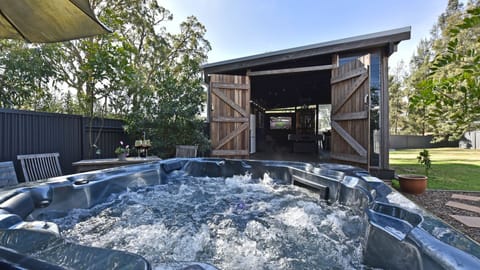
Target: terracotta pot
[412,183]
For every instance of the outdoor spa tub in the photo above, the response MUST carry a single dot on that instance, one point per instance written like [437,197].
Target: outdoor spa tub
[223,214]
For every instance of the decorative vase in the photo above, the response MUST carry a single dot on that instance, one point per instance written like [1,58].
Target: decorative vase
[122,156]
[412,183]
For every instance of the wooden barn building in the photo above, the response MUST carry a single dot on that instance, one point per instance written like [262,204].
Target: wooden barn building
[329,98]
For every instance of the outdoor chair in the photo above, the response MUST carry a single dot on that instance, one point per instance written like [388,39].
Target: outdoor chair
[186,151]
[40,166]
[8,177]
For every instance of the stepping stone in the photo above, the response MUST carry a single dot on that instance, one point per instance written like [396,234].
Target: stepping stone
[464,206]
[469,221]
[466,197]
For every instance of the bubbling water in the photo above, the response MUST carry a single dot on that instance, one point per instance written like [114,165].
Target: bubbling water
[232,223]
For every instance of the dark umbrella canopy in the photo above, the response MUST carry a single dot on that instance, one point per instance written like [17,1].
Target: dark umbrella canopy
[46,21]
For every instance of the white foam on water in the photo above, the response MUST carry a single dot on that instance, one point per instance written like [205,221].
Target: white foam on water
[232,223]
[297,217]
[267,180]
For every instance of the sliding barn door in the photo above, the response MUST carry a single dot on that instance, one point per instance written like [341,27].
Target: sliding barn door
[229,118]
[350,86]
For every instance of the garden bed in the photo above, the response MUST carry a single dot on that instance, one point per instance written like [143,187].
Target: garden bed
[435,202]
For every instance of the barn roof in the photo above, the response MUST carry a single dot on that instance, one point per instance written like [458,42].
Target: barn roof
[386,39]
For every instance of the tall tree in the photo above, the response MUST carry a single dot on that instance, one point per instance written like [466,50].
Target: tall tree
[176,94]
[397,100]
[453,85]
[417,120]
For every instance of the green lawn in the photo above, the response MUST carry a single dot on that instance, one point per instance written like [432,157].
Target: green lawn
[452,168]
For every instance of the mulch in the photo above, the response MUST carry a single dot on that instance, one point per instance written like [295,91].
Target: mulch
[434,201]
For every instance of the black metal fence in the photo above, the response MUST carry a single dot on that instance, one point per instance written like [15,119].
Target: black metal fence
[26,132]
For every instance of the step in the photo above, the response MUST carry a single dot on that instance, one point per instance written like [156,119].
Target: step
[464,206]
[469,221]
[466,197]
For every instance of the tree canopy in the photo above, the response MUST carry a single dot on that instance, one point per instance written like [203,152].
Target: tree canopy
[140,73]
[447,82]
[25,73]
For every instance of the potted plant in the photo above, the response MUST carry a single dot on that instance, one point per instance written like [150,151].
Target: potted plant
[415,183]
[122,151]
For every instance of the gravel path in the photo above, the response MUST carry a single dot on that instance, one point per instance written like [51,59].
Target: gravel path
[434,201]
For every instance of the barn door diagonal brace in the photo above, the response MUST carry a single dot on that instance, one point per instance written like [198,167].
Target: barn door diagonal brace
[349,139]
[358,82]
[230,102]
[232,135]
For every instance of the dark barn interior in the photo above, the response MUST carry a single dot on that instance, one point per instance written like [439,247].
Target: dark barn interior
[288,96]
[290,90]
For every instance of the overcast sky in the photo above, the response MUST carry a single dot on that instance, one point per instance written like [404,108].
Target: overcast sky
[237,28]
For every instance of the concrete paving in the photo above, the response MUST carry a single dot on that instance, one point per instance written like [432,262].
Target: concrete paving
[467,220]
[466,197]
[464,206]
[470,221]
